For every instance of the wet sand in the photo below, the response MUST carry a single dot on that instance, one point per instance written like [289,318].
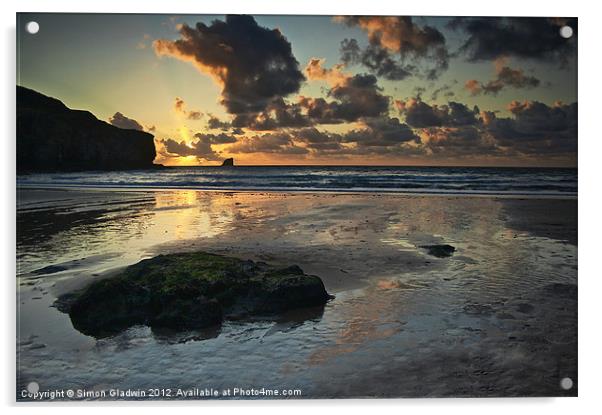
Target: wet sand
[498,318]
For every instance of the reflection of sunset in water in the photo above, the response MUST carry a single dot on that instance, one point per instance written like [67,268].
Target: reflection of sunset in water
[397,309]
[187,214]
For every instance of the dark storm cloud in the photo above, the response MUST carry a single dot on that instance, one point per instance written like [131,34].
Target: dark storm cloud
[319,141]
[375,136]
[536,127]
[377,59]
[121,121]
[505,77]
[397,47]
[215,123]
[537,38]
[358,97]
[448,131]
[533,129]
[454,130]
[253,64]
[277,114]
[381,132]
[349,99]
[421,115]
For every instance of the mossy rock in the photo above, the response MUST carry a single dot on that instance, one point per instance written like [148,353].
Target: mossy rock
[189,291]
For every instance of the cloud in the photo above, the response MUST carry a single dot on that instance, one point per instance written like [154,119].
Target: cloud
[194,115]
[453,142]
[278,114]
[121,121]
[375,136]
[473,86]
[377,59]
[381,132]
[358,97]
[421,115]
[320,141]
[533,130]
[221,138]
[215,123]
[516,78]
[445,90]
[180,107]
[252,64]
[536,128]
[535,38]
[349,99]
[279,142]
[333,76]
[449,132]
[399,36]
[202,148]
[505,77]
[398,33]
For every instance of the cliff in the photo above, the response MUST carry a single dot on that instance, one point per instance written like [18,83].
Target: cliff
[52,137]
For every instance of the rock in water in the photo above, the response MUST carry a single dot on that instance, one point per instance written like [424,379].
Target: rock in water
[188,291]
[52,137]
[439,251]
[228,162]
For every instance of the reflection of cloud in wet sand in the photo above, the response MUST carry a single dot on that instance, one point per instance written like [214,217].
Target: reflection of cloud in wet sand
[392,284]
[367,318]
[397,309]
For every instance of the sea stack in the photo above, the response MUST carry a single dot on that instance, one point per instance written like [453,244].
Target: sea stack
[228,162]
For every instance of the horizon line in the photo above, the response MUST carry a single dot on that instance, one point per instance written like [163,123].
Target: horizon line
[372,165]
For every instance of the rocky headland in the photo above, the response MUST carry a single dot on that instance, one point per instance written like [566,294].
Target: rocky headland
[53,137]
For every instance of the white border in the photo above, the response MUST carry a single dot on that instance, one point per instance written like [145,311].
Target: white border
[590,151]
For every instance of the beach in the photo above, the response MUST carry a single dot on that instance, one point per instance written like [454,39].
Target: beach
[497,318]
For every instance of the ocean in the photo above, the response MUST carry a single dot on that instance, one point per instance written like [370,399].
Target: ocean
[422,180]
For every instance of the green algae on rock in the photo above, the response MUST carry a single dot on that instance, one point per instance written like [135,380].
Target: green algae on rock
[189,291]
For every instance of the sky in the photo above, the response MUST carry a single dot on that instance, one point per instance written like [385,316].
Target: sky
[325,90]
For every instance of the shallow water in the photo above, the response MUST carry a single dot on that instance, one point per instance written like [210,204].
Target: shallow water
[485,322]
[397,179]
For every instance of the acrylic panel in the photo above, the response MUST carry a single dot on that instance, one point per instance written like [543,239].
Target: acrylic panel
[295,207]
